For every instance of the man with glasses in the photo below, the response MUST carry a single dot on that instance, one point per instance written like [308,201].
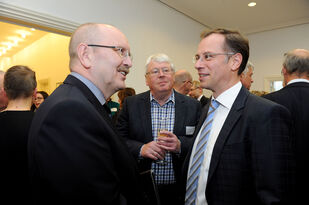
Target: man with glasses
[242,152]
[183,82]
[144,116]
[75,154]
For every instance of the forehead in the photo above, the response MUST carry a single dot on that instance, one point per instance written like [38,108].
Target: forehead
[154,64]
[212,43]
[112,36]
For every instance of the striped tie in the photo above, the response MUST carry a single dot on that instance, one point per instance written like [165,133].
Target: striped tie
[198,156]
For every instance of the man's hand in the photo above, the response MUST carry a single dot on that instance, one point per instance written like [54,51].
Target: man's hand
[153,151]
[169,142]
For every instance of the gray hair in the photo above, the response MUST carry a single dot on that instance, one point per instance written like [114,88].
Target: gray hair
[297,61]
[249,65]
[160,58]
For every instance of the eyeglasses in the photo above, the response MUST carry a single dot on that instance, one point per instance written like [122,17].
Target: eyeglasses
[123,53]
[156,71]
[208,56]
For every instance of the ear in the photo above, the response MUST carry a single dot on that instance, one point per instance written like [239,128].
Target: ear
[34,92]
[84,55]
[284,71]
[146,80]
[236,61]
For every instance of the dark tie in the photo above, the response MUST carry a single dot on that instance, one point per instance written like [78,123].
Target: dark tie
[198,157]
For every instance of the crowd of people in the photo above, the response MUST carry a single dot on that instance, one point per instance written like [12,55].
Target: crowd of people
[168,145]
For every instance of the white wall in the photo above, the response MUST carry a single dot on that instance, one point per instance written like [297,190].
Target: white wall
[267,49]
[150,26]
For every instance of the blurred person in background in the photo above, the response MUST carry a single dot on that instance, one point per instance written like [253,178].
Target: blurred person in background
[197,92]
[183,82]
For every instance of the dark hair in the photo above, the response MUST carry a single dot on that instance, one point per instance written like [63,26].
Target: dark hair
[43,93]
[126,92]
[19,82]
[234,42]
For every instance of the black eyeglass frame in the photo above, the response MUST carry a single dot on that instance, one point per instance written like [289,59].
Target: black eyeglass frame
[117,48]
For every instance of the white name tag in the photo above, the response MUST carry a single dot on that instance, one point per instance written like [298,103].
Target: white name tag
[114,109]
[190,130]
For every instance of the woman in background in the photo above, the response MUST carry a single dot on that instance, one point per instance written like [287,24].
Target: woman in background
[122,94]
[38,99]
[15,120]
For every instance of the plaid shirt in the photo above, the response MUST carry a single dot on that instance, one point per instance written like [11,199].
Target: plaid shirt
[163,117]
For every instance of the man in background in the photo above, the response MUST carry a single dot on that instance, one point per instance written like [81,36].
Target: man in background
[246,75]
[183,82]
[295,97]
[75,154]
[197,92]
[3,97]
[143,115]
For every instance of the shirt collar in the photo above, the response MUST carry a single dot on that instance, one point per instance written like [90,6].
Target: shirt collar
[171,98]
[298,80]
[98,94]
[228,97]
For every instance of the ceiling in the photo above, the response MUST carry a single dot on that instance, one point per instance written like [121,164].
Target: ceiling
[235,14]
[13,38]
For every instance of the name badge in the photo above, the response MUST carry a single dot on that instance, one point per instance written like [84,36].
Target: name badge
[190,130]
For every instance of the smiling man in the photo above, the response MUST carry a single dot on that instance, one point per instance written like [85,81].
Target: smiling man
[76,156]
[142,117]
[242,152]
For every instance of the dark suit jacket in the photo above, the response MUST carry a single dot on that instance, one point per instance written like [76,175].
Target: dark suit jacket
[295,97]
[134,124]
[250,160]
[204,101]
[75,155]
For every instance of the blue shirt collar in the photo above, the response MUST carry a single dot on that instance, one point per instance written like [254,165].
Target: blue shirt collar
[98,94]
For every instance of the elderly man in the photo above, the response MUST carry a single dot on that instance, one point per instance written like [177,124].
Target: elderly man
[76,156]
[183,82]
[295,97]
[144,115]
[246,75]
[241,154]
[3,97]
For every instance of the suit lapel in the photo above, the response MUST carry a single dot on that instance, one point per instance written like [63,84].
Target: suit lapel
[197,129]
[232,118]
[91,97]
[146,115]
[180,109]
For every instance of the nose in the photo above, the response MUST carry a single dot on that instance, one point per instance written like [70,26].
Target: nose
[127,62]
[197,64]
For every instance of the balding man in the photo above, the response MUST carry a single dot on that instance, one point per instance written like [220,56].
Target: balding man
[197,92]
[3,97]
[295,97]
[183,82]
[76,157]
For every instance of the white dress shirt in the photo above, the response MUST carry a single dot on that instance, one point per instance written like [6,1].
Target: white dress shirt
[226,100]
[298,80]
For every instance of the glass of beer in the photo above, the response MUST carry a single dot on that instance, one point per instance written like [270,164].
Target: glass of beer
[162,127]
